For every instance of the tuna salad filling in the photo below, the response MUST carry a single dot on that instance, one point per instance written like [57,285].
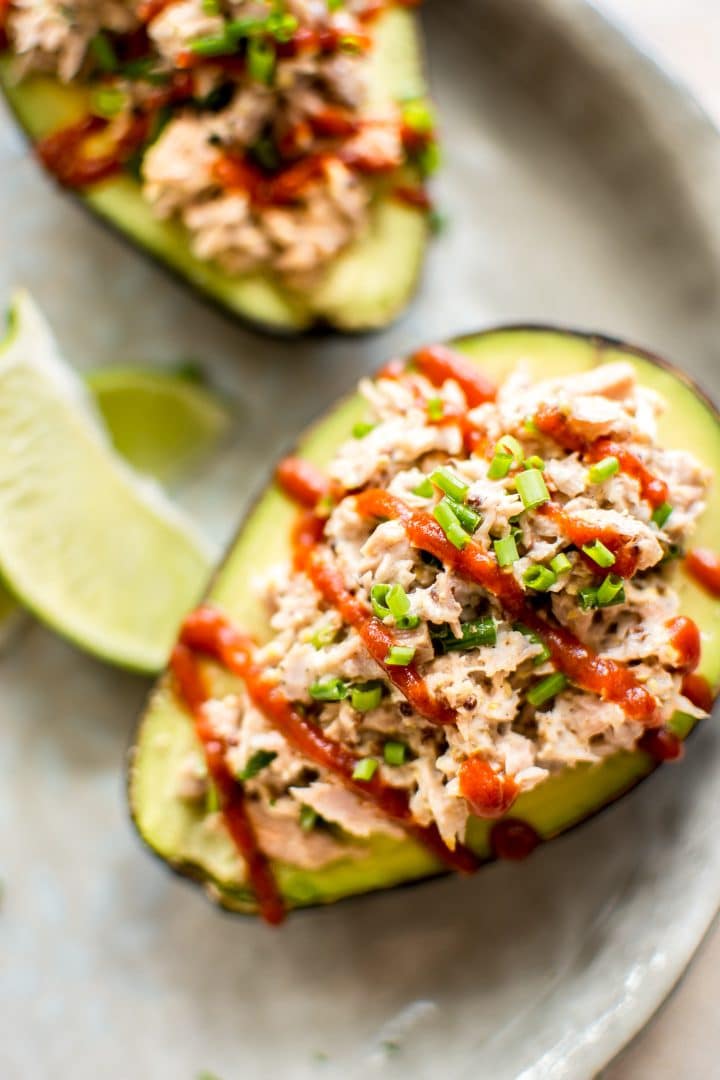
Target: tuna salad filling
[479,598]
[251,122]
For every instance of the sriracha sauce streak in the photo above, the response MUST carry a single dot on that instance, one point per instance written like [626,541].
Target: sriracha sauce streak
[208,631]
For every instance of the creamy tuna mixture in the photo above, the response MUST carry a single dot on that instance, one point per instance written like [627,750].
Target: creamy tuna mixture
[250,121]
[513,709]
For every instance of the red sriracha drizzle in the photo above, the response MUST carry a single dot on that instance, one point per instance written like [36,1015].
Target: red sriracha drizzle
[438,363]
[210,632]
[487,794]
[191,687]
[704,566]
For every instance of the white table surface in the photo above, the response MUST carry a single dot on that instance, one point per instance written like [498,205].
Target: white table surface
[683,1041]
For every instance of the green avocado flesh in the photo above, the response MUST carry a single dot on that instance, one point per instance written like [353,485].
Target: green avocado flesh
[177,831]
[365,288]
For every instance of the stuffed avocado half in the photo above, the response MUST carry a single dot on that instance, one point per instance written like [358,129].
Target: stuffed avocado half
[613,647]
[273,161]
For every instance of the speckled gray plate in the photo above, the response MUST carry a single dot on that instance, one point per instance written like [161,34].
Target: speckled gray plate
[582,187]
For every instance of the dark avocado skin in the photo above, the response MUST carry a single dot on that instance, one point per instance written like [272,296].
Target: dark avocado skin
[173,830]
[364,289]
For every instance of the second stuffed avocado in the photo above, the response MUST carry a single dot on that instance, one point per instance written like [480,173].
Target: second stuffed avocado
[486,544]
[273,160]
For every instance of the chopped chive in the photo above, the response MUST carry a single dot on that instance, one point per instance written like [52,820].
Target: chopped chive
[108,101]
[611,591]
[500,466]
[335,5]
[506,550]
[537,640]
[599,553]
[213,45]
[400,655]
[212,799]
[588,598]
[282,26]
[308,818]
[378,600]
[365,769]
[324,635]
[534,462]
[418,116]
[539,578]
[328,688]
[531,488]
[450,483]
[399,605]
[450,525]
[508,444]
[261,60]
[363,428]
[424,489]
[546,689]
[482,631]
[243,28]
[211,7]
[435,408]
[661,513]
[530,425]
[103,52]
[367,696]
[468,518]
[256,763]
[603,470]
[394,753]
[560,563]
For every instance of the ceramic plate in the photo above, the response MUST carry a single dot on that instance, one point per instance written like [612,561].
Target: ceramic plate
[581,187]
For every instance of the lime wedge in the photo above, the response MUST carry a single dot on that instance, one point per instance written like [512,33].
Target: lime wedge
[163,424]
[90,547]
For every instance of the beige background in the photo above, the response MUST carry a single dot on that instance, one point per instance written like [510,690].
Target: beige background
[683,1042]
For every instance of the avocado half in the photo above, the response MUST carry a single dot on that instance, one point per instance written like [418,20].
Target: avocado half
[175,830]
[365,288]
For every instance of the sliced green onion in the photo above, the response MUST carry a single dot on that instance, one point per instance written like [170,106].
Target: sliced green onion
[450,483]
[324,635]
[478,632]
[367,696]
[213,45]
[212,799]
[335,5]
[611,591]
[108,101]
[424,489]
[603,470]
[588,598]
[103,52]
[378,599]
[365,769]
[530,425]
[450,525]
[261,60]
[546,689]
[211,7]
[539,578]
[435,408]
[282,26]
[537,640]
[468,518]
[560,563]
[418,116]
[308,817]
[399,605]
[506,550]
[661,513]
[599,554]
[328,688]
[508,444]
[534,462]
[500,466]
[400,655]
[394,753]
[256,763]
[531,488]
[244,28]
[363,428]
